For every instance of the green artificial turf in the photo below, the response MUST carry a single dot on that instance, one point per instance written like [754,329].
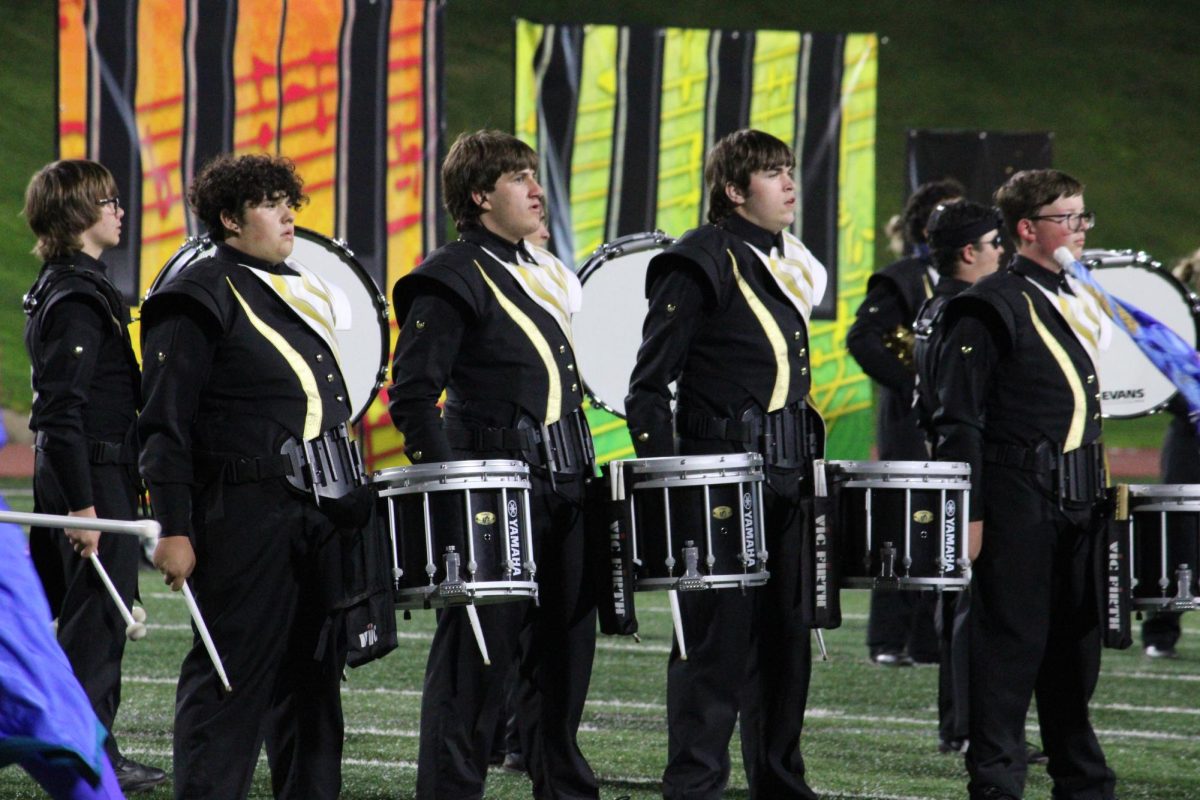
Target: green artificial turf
[870,731]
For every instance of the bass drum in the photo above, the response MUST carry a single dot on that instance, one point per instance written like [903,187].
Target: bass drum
[608,329]
[361,310]
[1131,386]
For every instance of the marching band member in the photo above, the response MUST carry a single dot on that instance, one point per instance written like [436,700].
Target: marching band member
[1019,400]
[728,321]
[243,396]
[490,322]
[900,626]
[965,245]
[86,398]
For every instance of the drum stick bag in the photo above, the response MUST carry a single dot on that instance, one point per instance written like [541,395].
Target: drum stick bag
[610,557]
[1112,572]
[821,601]
[367,603]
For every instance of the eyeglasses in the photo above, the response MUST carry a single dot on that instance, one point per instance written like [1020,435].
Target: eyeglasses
[1083,221]
[115,202]
[996,242]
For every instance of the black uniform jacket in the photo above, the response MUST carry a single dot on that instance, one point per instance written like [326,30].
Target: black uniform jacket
[894,295]
[230,369]
[1012,373]
[929,333]
[469,328]
[720,327]
[85,375]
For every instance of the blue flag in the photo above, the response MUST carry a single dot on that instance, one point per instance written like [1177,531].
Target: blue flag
[1167,350]
[46,722]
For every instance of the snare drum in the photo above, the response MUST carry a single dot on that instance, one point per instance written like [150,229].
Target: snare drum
[901,524]
[607,331]
[1164,546]
[360,311]
[1130,385]
[460,532]
[696,522]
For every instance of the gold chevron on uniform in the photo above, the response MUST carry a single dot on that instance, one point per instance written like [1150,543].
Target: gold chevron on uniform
[1083,314]
[548,283]
[797,272]
[313,300]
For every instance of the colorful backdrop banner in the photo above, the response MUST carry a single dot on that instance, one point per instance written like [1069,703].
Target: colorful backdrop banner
[348,90]
[622,118]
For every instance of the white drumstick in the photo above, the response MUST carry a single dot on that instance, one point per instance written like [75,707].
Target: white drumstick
[205,636]
[473,617]
[135,629]
[821,644]
[677,618]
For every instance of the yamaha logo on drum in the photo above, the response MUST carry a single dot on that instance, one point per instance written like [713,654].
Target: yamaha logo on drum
[748,540]
[950,537]
[514,533]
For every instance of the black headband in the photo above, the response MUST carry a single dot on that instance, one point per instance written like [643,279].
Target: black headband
[967,233]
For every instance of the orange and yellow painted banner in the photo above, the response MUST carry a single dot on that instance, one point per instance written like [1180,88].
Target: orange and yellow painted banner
[349,91]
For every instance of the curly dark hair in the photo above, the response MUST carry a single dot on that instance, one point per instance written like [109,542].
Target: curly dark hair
[230,184]
[474,164]
[62,201]
[734,159]
[1027,191]
[921,204]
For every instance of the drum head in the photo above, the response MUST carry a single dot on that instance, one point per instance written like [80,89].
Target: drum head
[1131,386]
[608,329]
[361,310]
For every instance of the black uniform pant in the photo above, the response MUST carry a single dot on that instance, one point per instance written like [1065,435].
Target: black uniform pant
[90,628]
[748,654]
[1034,630]
[953,665]
[553,644]
[266,560]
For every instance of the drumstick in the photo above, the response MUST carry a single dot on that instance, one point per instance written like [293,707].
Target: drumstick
[473,617]
[205,636]
[677,619]
[134,629]
[821,643]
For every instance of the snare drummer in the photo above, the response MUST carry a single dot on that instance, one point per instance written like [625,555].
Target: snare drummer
[728,320]
[965,245]
[241,373]
[489,323]
[1019,401]
[900,624]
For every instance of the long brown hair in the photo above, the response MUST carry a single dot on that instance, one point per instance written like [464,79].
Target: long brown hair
[62,201]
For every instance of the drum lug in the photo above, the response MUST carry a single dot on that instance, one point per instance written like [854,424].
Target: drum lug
[452,585]
[691,579]
[887,561]
[1184,600]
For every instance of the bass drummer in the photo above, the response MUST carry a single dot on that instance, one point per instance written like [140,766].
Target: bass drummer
[245,454]
[488,322]
[1019,400]
[728,320]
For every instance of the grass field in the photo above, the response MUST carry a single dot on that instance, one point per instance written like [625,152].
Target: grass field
[870,731]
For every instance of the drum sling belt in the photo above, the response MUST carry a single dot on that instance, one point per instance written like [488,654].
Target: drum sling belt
[1078,477]
[786,439]
[326,468]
